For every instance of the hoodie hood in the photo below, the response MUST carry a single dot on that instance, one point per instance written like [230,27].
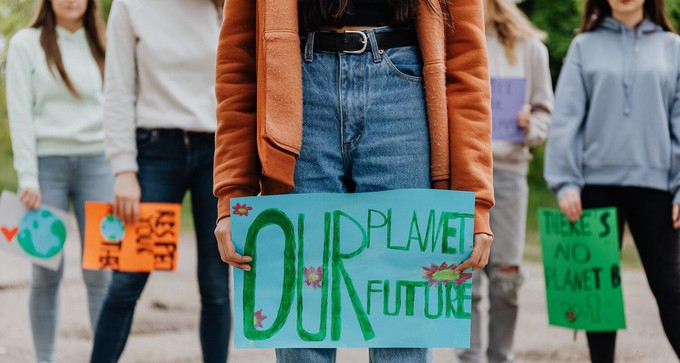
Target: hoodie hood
[647,26]
[629,39]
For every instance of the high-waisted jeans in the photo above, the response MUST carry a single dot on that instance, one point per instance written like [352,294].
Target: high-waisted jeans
[170,163]
[63,179]
[364,129]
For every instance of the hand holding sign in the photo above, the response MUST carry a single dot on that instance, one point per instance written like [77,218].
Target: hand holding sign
[127,194]
[524,119]
[226,246]
[31,198]
[570,204]
[480,253]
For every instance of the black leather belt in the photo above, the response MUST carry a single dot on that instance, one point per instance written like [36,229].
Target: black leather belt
[356,42]
[176,133]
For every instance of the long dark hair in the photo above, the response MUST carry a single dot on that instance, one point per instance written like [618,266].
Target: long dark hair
[46,21]
[597,10]
[329,11]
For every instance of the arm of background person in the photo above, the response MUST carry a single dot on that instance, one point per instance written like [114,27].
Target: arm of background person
[19,108]
[564,149]
[120,96]
[541,98]
[675,144]
[120,90]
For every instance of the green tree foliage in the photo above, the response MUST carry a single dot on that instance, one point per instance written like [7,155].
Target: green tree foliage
[106,8]
[560,19]
[14,15]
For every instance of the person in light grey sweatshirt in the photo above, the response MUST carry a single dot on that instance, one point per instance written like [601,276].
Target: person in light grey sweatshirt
[615,140]
[159,134]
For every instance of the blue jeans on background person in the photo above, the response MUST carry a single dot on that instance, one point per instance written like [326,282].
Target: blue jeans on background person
[364,129]
[172,162]
[63,179]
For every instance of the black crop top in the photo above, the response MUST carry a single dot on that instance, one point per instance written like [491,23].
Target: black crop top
[358,13]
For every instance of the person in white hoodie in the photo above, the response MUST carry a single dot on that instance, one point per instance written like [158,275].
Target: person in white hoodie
[516,52]
[615,141]
[159,123]
[54,102]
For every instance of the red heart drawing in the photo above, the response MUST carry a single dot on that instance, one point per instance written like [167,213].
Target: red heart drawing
[9,233]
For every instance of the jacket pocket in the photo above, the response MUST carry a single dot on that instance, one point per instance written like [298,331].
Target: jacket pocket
[283,90]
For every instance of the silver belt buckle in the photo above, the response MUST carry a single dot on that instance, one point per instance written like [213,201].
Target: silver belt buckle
[364,40]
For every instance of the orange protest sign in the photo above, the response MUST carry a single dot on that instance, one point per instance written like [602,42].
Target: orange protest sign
[149,245]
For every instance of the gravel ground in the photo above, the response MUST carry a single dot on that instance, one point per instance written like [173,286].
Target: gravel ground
[166,323]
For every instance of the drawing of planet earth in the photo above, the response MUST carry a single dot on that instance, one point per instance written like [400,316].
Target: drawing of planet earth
[112,228]
[41,233]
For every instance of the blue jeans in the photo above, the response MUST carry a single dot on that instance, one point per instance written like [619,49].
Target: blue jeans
[364,129]
[170,163]
[63,179]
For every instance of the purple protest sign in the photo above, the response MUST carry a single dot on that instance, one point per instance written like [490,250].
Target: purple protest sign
[507,98]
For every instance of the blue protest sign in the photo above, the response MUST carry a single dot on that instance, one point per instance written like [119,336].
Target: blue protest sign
[353,270]
[507,98]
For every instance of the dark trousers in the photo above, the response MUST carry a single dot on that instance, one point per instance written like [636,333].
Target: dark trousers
[172,162]
[648,214]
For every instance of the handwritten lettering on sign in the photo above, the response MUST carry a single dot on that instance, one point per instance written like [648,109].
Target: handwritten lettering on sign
[354,270]
[149,245]
[582,270]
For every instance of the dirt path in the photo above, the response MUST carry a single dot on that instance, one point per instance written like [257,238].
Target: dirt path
[165,325]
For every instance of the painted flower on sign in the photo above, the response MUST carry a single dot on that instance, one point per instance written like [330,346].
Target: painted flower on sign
[444,273]
[258,318]
[313,276]
[241,209]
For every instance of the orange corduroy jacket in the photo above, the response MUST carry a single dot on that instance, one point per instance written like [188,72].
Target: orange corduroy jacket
[259,95]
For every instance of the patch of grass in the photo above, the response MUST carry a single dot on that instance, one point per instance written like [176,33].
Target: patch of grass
[8,178]
[187,218]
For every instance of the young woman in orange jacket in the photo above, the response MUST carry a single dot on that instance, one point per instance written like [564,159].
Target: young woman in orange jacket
[353,96]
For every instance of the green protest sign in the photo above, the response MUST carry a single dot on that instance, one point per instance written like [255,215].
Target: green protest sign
[582,270]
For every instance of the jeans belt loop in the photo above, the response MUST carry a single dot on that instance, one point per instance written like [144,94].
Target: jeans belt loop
[375,49]
[309,47]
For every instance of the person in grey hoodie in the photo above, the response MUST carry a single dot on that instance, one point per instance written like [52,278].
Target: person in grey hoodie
[615,141]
